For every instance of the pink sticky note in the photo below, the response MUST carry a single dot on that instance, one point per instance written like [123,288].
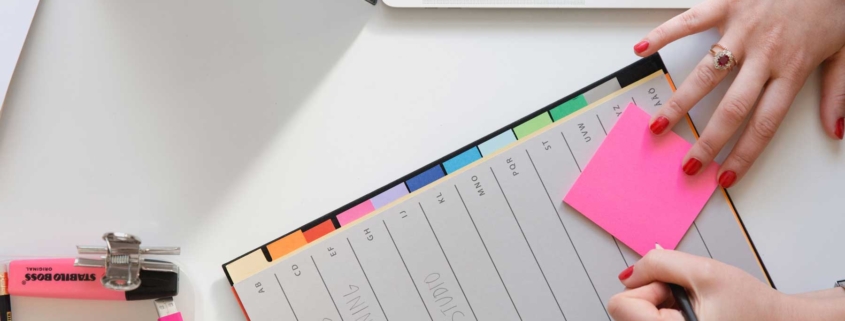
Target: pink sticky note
[635,189]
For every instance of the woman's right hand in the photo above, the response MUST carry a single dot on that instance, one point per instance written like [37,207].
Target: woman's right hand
[718,292]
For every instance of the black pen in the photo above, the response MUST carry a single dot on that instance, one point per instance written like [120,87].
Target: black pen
[5,298]
[681,298]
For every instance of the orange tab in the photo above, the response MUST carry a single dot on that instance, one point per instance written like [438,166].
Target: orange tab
[287,244]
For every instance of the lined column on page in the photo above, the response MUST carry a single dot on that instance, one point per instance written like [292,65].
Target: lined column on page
[426,263]
[597,249]
[305,288]
[507,245]
[386,272]
[545,232]
[263,297]
[466,252]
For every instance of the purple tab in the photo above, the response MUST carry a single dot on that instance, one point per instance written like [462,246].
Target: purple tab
[394,193]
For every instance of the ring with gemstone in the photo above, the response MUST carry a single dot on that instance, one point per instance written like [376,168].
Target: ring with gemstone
[723,59]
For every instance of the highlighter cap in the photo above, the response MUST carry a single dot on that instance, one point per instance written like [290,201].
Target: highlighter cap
[155,285]
[59,278]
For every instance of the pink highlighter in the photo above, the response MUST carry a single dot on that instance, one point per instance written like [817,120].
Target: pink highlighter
[118,273]
[61,278]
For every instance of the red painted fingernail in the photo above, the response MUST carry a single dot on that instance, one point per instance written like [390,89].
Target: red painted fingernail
[659,125]
[641,46]
[727,179]
[626,273]
[692,166]
[840,127]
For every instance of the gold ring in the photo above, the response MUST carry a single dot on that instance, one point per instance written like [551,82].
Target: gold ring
[723,59]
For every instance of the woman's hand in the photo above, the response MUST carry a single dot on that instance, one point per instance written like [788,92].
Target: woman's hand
[718,292]
[776,44]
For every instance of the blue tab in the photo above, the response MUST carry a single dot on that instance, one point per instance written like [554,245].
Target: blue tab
[495,143]
[424,178]
[463,159]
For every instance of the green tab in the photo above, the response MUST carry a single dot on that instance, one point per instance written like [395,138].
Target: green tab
[568,107]
[532,125]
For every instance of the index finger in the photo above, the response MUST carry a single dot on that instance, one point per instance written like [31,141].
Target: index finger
[701,17]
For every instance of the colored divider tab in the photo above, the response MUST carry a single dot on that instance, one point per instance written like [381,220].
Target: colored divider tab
[247,266]
[493,144]
[394,193]
[287,244]
[424,178]
[598,92]
[318,231]
[355,213]
[532,125]
[568,107]
[463,159]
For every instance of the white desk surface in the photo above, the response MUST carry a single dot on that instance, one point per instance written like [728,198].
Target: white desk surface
[191,124]
[15,19]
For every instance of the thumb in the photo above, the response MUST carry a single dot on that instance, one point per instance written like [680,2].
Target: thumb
[669,267]
[833,95]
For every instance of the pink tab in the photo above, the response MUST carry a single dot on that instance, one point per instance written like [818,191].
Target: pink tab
[355,213]
[635,189]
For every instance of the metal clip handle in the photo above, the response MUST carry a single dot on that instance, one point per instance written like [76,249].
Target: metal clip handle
[122,258]
[101,250]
